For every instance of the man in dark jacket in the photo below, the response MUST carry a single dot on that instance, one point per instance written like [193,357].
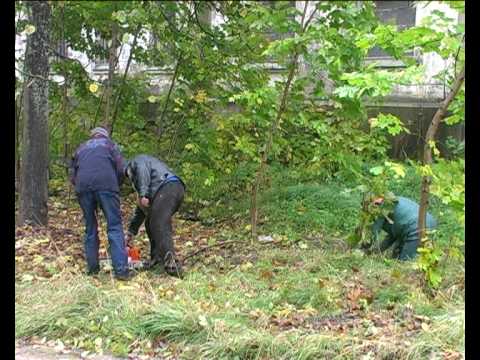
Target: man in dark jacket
[97,173]
[401,227]
[160,193]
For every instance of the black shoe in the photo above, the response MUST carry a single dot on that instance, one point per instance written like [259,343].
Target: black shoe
[93,272]
[173,266]
[125,277]
[153,263]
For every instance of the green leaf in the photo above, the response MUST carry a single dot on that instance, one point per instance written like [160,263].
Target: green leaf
[125,38]
[377,170]
[434,278]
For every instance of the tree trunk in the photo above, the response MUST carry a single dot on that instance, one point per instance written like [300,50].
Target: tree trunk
[34,168]
[17,155]
[63,52]
[268,145]
[112,62]
[263,164]
[167,100]
[427,150]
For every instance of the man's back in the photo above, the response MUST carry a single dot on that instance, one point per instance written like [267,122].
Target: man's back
[405,217]
[97,166]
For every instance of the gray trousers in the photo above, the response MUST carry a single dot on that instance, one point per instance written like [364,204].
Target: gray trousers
[158,222]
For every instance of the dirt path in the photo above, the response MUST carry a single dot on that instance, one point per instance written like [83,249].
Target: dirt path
[42,352]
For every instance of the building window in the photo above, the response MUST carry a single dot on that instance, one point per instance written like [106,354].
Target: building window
[399,13]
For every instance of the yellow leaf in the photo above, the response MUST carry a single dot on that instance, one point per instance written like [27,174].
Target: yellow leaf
[29,29]
[152,99]
[396,274]
[27,277]
[246,266]
[425,327]
[124,287]
[200,97]
[93,88]
[321,283]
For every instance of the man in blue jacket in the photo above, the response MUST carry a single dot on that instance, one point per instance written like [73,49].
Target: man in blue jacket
[97,173]
[401,227]
[160,194]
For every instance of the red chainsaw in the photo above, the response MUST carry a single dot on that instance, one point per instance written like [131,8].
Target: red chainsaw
[134,260]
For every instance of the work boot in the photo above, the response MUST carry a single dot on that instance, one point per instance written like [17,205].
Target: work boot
[125,277]
[173,266]
[93,272]
[154,265]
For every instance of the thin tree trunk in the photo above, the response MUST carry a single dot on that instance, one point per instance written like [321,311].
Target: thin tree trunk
[17,155]
[112,61]
[18,136]
[263,164]
[280,112]
[167,100]
[34,170]
[427,150]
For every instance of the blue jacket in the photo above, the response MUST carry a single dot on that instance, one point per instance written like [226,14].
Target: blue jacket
[405,221]
[97,166]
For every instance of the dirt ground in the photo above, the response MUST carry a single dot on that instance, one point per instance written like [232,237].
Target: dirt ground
[43,352]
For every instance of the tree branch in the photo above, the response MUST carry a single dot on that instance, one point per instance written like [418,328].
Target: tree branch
[29,75]
[309,19]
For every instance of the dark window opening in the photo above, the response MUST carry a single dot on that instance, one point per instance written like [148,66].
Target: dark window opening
[399,13]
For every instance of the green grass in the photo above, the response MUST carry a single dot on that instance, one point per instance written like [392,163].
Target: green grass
[297,207]
[229,314]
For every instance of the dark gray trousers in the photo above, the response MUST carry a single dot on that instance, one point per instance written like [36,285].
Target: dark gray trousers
[158,222]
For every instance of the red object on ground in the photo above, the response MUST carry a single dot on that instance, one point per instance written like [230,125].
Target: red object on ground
[133,253]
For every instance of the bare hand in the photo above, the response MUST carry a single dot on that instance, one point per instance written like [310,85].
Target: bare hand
[128,240]
[144,202]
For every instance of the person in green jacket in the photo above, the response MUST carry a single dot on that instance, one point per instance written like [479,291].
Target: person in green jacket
[401,226]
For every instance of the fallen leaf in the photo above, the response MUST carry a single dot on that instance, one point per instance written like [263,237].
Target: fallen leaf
[202,320]
[425,326]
